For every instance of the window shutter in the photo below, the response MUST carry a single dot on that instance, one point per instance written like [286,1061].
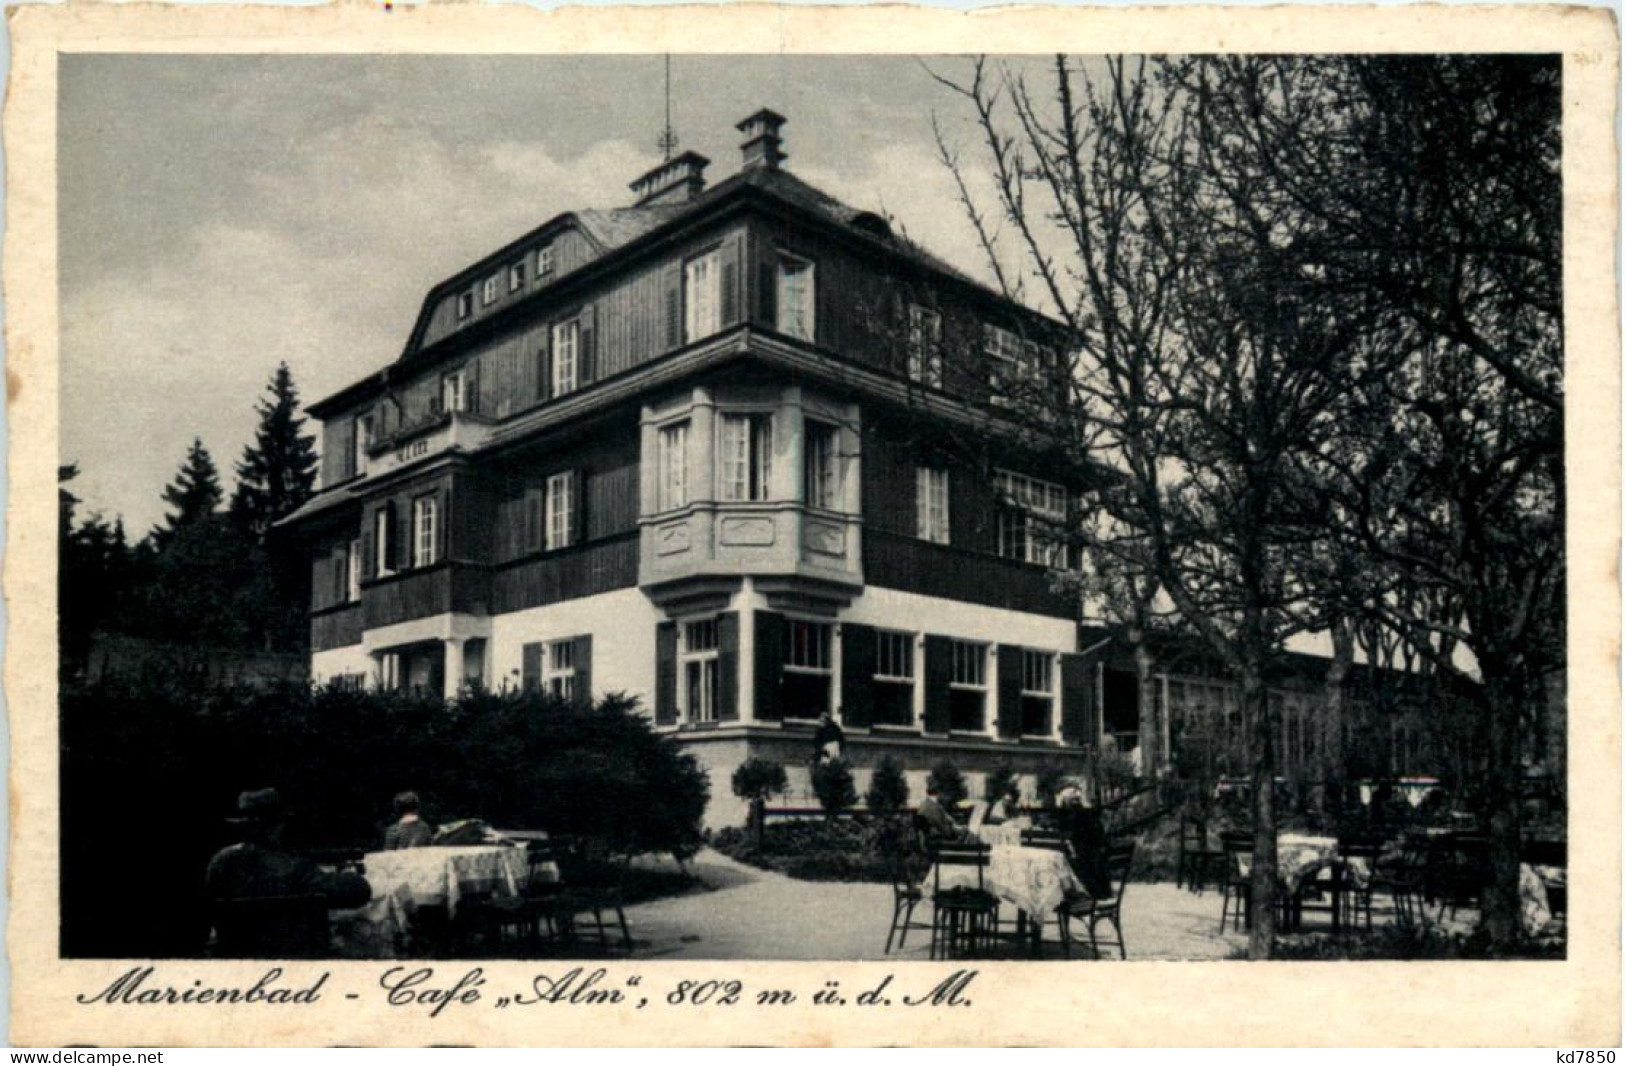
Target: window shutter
[530,677]
[544,363]
[939,672]
[533,518]
[770,648]
[1009,709]
[442,530]
[666,673]
[583,660]
[674,306]
[730,283]
[471,386]
[857,675]
[1077,701]
[767,294]
[728,667]
[578,505]
[971,503]
[400,535]
[587,347]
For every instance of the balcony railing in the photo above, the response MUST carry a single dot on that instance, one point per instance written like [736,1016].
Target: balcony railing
[441,589]
[585,570]
[929,569]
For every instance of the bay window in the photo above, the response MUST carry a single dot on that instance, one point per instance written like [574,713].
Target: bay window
[673,467]
[746,455]
[820,466]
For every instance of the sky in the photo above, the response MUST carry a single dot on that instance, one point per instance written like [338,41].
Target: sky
[222,214]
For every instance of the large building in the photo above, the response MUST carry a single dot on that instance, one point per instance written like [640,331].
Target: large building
[710,450]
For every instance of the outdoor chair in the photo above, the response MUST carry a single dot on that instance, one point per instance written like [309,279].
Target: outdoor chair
[592,885]
[1198,861]
[1458,868]
[521,918]
[1358,891]
[1119,861]
[908,892]
[1404,879]
[962,917]
[1238,853]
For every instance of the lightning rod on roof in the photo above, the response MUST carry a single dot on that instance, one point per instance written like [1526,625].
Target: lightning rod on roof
[668,136]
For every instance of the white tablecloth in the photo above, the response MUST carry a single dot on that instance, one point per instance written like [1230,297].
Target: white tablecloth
[439,876]
[1034,880]
[1004,835]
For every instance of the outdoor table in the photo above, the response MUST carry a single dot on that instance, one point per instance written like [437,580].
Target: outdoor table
[1033,880]
[1006,834]
[438,876]
[376,930]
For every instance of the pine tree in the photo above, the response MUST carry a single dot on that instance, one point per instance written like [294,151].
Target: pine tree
[278,471]
[193,496]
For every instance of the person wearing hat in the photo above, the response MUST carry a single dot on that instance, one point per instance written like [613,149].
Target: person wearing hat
[267,902]
[933,820]
[408,831]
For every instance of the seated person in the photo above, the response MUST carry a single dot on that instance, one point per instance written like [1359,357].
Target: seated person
[1008,807]
[269,903]
[934,821]
[409,831]
[1085,833]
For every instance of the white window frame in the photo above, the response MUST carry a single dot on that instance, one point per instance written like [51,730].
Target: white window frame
[969,661]
[900,653]
[802,296]
[1025,499]
[566,353]
[745,456]
[425,530]
[544,261]
[383,549]
[932,504]
[352,567]
[516,276]
[1038,667]
[465,304]
[389,671]
[454,391]
[924,346]
[559,531]
[821,464]
[488,291]
[700,648]
[559,669]
[672,444]
[702,295]
[361,442]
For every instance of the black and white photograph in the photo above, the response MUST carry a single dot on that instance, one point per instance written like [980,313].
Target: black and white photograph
[945,510]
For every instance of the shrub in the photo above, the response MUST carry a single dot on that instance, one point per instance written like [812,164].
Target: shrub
[832,784]
[1052,777]
[949,783]
[184,751]
[888,788]
[757,779]
[1000,780]
[812,850]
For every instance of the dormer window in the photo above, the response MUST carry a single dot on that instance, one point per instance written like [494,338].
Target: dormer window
[488,291]
[516,276]
[465,304]
[544,261]
[361,443]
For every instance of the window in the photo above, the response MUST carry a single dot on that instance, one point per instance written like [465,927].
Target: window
[454,392]
[747,456]
[389,671]
[699,665]
[383,529]
[465,304]
[516,276]
[702,291]
[1031,515]
[967,692]
[352,571]
[566,344]
[931,503]
[821,467]
[894,678]
[488,291]
[796,303]
[544,261]
[362,441]
[425,522]
[805,689]
[559,677]
[348,682]
[1037,693]
[561,509]
[1003,361]
[673,467]
[925,346]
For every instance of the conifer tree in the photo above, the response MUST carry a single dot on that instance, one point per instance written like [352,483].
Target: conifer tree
[278,471]
[193,496]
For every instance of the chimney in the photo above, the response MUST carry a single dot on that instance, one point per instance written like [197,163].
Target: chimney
[761,146]
[675,181]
